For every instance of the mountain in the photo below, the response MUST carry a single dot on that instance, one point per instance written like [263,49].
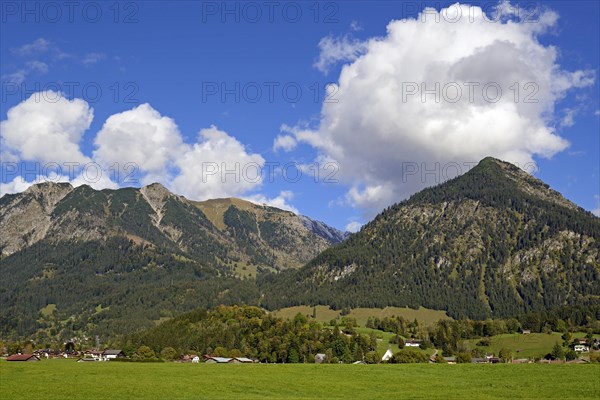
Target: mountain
[114,260]
[494,242]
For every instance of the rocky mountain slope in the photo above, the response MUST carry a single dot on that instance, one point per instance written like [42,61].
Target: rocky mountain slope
[493,242]
[137,255]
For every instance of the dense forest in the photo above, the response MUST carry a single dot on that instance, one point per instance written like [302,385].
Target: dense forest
[494,242]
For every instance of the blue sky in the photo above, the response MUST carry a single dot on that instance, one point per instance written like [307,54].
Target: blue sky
[179,57]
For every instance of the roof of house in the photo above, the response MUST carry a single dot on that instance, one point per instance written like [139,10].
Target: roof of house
[218,359]
[112,352]
[20,357]
[244,359]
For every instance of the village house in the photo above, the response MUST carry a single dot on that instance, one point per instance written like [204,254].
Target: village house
[216,360]
[526,331]
[243,360]
[581,348]
[22,357]
[111,354]
[479,360]
[319,358]
[388,355]
[413,343]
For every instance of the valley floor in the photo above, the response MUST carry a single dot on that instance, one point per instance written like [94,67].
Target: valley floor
[66,379]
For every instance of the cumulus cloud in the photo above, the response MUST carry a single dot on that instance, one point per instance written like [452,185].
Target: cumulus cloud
[353,226]
[217,165]
[336,49]
[143,137]
[436,90]
[284,142]
[47,127]
[280,201]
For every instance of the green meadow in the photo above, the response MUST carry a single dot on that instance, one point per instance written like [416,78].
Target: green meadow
[67,379]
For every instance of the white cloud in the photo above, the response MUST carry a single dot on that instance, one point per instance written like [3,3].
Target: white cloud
[93,58]
[19,76]
[140,136]
[353,226]
[377,126]
[218,165]
[38,46]
[38,66]
[356,26]
[334,50]
[281,201]
[16,78]
[47,127]
[284,142]
[568,119]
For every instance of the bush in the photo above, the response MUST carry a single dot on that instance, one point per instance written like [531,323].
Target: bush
[168,353]
[439,359]
[409,357]
[372,357]
[463,358]
[571,355]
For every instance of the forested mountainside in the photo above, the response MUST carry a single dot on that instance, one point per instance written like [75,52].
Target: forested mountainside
[493,242]
[115,260]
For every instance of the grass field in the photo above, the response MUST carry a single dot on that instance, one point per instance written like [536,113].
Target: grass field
[66,379]
[523,346]
[325,314]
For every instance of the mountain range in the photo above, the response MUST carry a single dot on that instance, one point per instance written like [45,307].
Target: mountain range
[494,242]
[137,255]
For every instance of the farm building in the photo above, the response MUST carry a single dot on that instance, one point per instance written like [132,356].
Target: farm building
[23,357]
[388,355]
[243,360]
[319,358]
[217,360]
[112,354]
[412,343]
[582,348]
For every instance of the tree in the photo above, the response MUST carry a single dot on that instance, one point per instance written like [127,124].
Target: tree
[567,337]
[463,358]
[505,355]
[145,353]
[557,352]
[168,353]
[571,355]
[293,357]
[372,357]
